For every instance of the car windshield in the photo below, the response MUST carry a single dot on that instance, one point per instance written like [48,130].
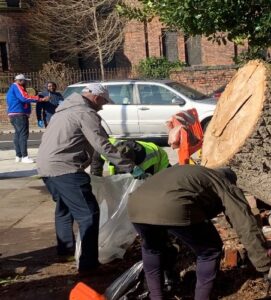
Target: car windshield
[72,89]
[187,91]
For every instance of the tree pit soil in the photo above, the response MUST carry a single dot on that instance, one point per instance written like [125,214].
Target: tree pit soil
[40,275]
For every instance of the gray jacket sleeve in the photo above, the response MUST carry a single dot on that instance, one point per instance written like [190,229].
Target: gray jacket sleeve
[97,137]
[245,224]
[97,164]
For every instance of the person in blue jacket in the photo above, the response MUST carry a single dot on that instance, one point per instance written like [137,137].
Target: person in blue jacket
[45,110]
[19,110]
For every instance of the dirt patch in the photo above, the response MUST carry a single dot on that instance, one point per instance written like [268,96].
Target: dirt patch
[40,275]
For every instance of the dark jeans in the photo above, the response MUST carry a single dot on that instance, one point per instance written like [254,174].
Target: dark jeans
[75,201]
[21,126]
[202,238]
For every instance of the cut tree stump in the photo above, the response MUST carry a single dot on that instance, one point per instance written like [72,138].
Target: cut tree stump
[239,134]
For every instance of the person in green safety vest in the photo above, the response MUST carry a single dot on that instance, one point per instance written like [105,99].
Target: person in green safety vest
[146,155]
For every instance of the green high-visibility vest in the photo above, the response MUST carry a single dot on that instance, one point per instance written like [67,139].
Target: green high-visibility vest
[155,156]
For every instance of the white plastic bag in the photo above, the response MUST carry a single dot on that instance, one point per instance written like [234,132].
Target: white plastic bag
[116,231]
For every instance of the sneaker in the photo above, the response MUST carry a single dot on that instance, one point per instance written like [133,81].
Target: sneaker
[66,255]
[27,160]
[18,159]
[65,258]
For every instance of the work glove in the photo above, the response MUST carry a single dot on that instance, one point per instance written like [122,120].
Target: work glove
[138,173]
[41,123]
[98,174]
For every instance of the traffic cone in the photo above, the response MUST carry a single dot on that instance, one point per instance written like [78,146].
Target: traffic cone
[83,292]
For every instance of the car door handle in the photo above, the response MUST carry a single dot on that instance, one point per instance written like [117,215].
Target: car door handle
[143,108]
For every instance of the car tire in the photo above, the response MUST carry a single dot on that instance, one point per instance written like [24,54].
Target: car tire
[205,124]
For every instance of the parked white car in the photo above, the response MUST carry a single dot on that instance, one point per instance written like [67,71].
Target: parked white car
[142,107]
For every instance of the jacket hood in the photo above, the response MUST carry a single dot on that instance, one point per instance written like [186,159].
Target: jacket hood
[228,173]
[73,100]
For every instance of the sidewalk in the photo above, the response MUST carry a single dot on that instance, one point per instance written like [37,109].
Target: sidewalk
[29,267]
[26,208]
[8,168]
[24,201]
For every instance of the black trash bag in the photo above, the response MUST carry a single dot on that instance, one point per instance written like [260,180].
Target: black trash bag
[129,285]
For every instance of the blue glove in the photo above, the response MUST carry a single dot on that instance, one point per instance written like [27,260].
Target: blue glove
[40,123]
[138,173]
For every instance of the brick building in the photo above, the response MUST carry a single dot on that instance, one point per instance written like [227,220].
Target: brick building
[19,54]
[154,39]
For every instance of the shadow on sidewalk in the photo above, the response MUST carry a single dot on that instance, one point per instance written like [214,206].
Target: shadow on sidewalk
[39,275]
[52,288]
[27,263]
[18,174]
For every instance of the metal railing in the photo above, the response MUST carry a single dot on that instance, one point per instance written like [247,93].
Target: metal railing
[72,76]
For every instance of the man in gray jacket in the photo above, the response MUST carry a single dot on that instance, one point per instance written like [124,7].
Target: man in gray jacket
[183,200]
[67,146]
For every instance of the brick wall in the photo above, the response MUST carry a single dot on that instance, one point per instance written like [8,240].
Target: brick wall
[134,46]
[154,37]
[214,54]
[24,55]
[3,114]
[4,120]
[203,78]
[181,47]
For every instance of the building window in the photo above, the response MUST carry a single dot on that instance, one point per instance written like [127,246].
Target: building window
[13,3]
[170,45]
[235,50]
[192,46]
[3,56]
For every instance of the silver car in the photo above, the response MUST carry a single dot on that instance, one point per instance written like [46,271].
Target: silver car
[142,107]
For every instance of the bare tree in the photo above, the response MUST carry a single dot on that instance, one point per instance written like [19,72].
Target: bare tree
[91,28]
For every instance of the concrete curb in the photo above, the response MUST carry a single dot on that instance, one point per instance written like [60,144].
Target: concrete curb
[11,130]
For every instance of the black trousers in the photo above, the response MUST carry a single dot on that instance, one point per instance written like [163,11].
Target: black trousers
[202,238]
[21,126]
[75,201]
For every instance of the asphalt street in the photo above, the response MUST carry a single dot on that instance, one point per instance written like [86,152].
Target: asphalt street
[6,140]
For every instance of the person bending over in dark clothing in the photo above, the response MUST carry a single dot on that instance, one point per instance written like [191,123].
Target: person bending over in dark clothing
[182,200]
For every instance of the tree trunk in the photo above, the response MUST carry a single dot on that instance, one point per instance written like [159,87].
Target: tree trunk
[239,134]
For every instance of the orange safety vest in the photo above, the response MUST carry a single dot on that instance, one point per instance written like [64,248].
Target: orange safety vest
[186,134]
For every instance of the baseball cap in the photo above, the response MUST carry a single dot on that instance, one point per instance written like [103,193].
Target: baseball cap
[98,89]
[21,77]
